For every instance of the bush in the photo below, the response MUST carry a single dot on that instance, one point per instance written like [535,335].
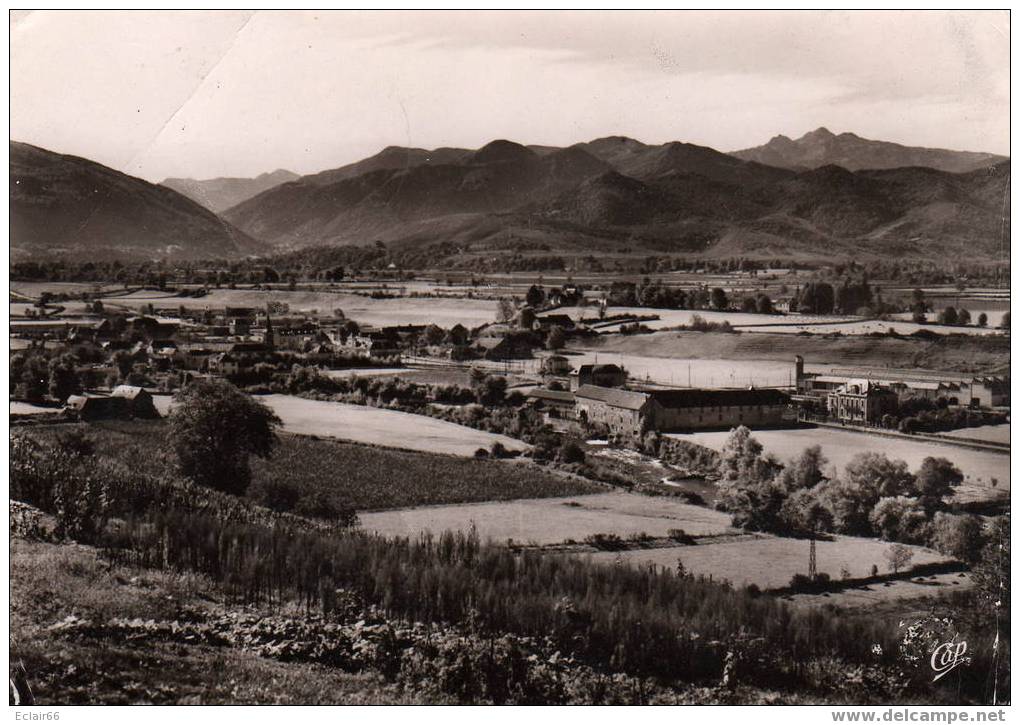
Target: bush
[605,542]
[275,495]
[800,583]
[571,452]
[680,536]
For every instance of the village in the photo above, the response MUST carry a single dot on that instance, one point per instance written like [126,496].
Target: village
[121,353]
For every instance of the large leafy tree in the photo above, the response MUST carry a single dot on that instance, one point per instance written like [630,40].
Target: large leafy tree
[215,429]
[899,518]
[63,377]
[747,488]
[936,480]
[867,478]
[960,536]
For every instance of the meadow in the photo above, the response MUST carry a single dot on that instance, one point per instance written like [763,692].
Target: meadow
[393,428]
[555,520]
[694,371]
[770,562]
[349,476]
[839,446]
[377,426]
[365,372]
[677,318]
[910,597]
[366,478]
[867,327]
[993,433]
[21,408]
[444,312]
[960,352]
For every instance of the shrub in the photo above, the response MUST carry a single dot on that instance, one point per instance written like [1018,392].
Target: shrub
[605,542]
[276,495]
[571,452]
[681,536]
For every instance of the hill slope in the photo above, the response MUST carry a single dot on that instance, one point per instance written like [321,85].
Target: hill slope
[433,200]
[222,193]
[821,147]
[73,206]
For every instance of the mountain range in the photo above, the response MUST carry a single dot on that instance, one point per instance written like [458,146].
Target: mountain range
[616,192]
[821,147]
[611,195]
[222,193]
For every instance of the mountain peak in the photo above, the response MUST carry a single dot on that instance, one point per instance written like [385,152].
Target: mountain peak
[820,133]
[501,150]
[821,147]
[616,140]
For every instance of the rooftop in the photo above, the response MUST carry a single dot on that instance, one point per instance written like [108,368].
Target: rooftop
[561,396]
[616,397]
[704,398]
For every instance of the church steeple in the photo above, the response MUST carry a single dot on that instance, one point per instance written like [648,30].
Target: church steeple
[270,340]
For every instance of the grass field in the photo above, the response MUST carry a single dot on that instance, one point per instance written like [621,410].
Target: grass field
[695,371]
[675,318]
[555,520]
[34,289]
[367,477]
[865,327]
[873,597]
[392,428]
[365,310]
[769,561]
[349,475]
[21,408]
[993,433]
[964,353]
[365,424]
[366,372]
[839,446]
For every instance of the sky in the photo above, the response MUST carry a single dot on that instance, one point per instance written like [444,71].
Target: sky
[236,93]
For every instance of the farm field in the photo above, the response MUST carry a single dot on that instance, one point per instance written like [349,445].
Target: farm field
[839,446]
[365,424]
[994,314]
[34,289]
[674,318]
[346,475]
[696,372]
[770,561]
[365,310]
[555,520]
[391,428]
[24,309]
[961,352]
[21,408]
[789,324]
[872,596]
[365,372]
[993,433]
[363,477]
[865,327]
